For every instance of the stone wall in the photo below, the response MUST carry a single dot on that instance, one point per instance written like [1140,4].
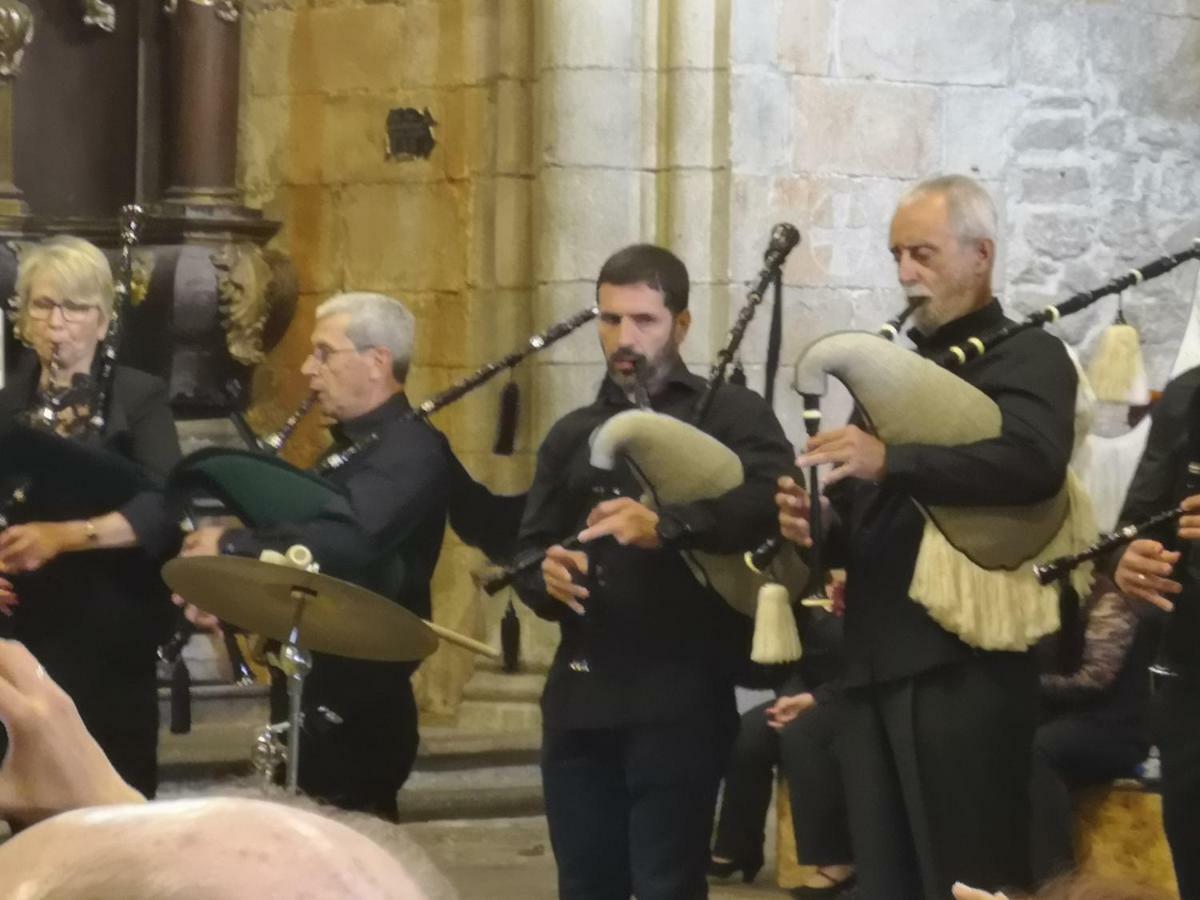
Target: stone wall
[571,127]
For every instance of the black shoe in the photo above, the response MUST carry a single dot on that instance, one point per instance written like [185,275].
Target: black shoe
[749,868]
[833,889]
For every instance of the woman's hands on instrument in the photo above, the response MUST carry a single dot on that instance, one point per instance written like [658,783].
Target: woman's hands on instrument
[28,547]
[53,763]
[853,452]
[632,524]
[560,567]
[788,709]
[8,597]
[1144,571]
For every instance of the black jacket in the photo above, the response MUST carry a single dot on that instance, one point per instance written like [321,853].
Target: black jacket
[658,646]
[90,614]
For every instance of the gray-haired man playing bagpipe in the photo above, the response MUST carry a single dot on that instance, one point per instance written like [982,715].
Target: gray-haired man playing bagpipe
[937,732]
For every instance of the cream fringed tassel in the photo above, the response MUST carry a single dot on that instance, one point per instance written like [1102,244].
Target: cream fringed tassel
[1117,372]
[998,609]
[776,637]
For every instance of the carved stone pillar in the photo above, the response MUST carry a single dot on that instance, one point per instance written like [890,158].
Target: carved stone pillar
[202,131]
[16,31]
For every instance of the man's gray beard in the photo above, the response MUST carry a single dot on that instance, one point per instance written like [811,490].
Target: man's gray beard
[653,376]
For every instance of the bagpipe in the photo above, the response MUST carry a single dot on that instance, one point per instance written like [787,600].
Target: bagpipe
[971,571]
[652,444]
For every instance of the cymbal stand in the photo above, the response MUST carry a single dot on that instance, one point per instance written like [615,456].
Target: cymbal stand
[295,662]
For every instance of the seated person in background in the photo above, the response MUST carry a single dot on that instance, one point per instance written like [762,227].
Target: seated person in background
[55,770]
[795,732]
[1093,722]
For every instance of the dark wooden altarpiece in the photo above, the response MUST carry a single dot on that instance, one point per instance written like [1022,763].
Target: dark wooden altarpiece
[137,101]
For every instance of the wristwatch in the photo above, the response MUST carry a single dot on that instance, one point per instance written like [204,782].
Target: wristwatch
[670,530]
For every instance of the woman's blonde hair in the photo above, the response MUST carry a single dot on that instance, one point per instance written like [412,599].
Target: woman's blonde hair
[79,267]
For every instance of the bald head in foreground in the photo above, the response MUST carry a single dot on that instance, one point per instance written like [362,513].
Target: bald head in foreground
[91,835]
[228,848]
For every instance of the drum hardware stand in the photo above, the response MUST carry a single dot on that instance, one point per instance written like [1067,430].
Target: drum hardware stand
[295,662]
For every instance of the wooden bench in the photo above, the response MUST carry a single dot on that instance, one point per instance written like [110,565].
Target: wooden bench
[1118,830]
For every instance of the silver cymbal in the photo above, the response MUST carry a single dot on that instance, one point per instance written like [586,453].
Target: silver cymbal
[335,616]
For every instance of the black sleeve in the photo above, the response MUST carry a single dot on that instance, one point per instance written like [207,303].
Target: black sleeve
[153,444]
[1035,390]
[1156,480]
[739,519]
[548,517]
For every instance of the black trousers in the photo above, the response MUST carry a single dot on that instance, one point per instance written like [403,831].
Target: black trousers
[630,809]
[937,778]
[1070,753]
[804,751]
[359,739]
[1176,713]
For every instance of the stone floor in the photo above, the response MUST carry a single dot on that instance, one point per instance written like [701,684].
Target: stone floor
[510,859]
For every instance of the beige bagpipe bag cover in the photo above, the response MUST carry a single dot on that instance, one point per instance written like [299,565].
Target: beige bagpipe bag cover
[974,568]
[678,463]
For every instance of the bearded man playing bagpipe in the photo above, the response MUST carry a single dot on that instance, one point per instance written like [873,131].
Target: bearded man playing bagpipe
[638,708]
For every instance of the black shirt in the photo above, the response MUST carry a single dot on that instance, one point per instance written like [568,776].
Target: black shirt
[656,643]
[1031,378]
[1159,483]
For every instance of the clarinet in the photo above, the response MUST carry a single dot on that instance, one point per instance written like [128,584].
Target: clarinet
[1059,567]
[46,415]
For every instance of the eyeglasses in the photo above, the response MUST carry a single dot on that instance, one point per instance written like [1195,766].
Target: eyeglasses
[322,354]
[72,311]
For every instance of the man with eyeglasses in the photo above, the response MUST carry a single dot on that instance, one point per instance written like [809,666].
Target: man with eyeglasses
[360,733]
